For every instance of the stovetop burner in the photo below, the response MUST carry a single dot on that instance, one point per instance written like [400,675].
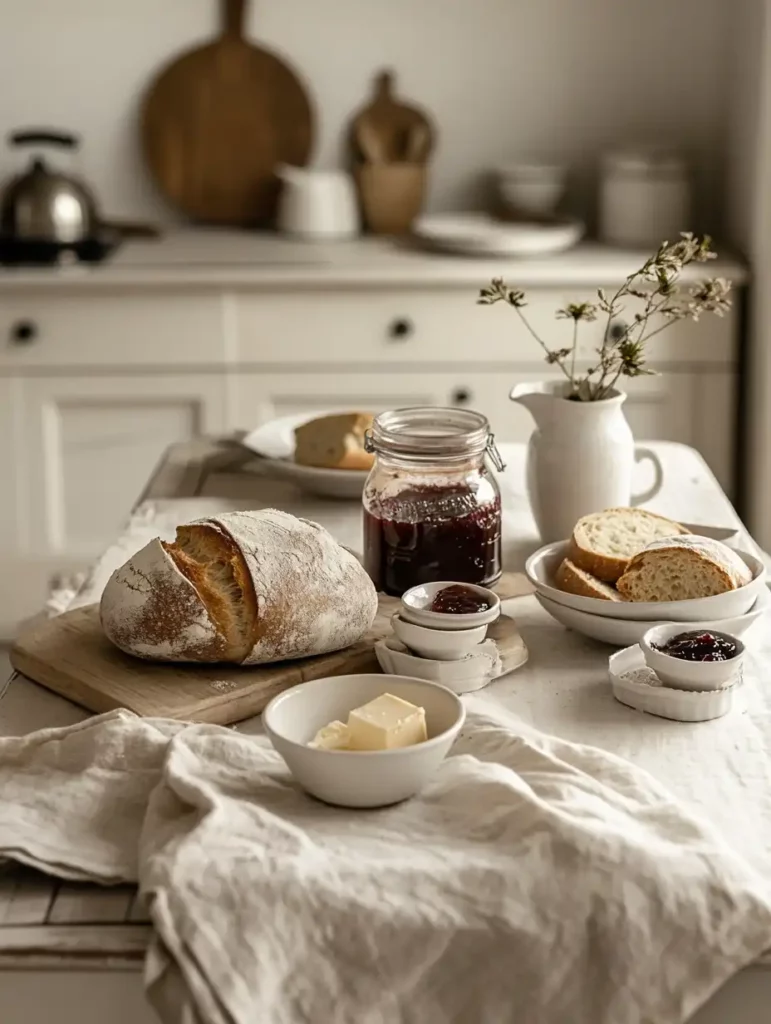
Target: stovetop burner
[18,252]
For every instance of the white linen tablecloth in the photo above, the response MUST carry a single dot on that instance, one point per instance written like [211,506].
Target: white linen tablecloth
[531,881]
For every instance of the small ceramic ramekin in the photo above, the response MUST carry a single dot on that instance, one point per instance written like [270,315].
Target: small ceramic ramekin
[689,675]
[416,607]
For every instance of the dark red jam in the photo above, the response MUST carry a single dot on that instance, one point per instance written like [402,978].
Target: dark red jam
[458,600]
[699,646]
[427,534]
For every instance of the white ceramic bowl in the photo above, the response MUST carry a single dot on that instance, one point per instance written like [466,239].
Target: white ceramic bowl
[541,567]
[416,602]
[625,632]
[689,675]
[437,644]
[360,778]
[532,188]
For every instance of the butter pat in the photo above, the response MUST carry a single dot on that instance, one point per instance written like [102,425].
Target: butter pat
[331,737]
[386,723]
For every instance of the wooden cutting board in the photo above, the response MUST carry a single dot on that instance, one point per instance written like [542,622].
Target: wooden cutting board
[70,655]
[216,123]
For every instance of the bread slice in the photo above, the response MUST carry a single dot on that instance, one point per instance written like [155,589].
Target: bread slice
[681,569]
[604,542]
[334,442]
[573,580]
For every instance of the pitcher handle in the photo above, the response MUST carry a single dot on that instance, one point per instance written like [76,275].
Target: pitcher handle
[640,455]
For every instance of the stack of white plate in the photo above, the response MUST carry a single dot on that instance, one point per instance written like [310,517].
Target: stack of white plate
[622,623]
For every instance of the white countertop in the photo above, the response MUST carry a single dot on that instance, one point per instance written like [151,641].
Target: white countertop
[229,259]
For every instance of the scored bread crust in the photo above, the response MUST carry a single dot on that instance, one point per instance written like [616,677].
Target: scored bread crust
[585,553]
[573,580]
[334,442]
[683,568]
[244,587]
[151,610]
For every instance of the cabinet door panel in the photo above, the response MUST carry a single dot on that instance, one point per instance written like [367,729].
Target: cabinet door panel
[259,397]
[91,445]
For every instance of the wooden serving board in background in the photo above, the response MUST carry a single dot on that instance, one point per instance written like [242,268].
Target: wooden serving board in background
[70,655]
[217,122]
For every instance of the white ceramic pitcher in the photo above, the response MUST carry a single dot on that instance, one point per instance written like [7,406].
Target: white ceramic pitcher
[580,457]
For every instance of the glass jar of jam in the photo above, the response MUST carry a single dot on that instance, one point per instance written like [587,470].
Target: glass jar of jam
[432,507]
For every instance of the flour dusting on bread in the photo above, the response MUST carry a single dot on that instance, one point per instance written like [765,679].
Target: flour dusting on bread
[244,587]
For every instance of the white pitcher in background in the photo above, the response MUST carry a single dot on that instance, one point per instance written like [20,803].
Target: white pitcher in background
[580,457]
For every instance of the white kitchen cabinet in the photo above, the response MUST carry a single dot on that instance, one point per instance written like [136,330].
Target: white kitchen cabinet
[84,449]
[259,397]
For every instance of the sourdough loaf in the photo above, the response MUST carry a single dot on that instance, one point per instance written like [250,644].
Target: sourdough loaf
[573,580]
[334,442]
[604,542]
[683,568]
[244,587]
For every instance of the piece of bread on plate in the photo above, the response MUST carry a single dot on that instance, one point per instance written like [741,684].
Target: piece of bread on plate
[681,569]
[573,580]
[244,587]
[334,442]
[604,542]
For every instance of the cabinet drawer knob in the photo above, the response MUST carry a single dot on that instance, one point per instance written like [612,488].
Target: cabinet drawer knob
[23,332]
[400,329]
[460,396]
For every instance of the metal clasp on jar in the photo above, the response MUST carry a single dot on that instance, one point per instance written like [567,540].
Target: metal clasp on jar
[492,451]
[369,444]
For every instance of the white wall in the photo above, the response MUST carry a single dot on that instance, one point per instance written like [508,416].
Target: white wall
[503,77]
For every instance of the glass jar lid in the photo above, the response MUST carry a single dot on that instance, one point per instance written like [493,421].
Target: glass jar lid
[431,433]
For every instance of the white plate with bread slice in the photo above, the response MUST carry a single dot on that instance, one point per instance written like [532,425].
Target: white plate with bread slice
[322,452]
[630,565]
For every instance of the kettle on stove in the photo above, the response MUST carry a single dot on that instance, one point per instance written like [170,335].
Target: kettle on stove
[43,204]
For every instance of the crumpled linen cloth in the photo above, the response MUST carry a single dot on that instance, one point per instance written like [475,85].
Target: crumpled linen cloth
[532,880]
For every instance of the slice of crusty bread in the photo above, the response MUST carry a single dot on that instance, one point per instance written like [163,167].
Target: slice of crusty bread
[604,542]
[573,580]
[683,568]
[334,442]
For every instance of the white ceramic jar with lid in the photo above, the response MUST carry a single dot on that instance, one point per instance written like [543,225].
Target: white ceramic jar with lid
[645,197]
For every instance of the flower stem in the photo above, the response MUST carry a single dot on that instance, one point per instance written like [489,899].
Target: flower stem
[545,347]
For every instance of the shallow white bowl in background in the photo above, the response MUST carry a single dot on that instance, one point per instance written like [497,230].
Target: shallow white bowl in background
[625,632]
[360,778]
[541,567]
[689,675]
[437,644]
[416,601]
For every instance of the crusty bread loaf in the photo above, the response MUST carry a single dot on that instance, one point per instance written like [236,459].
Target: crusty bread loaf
[334,442]
[604,542]
[244,587]
[573,580]
[683,568]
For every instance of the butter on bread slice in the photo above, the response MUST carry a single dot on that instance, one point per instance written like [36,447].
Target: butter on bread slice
[603,543]
[573,580]
[334,442]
